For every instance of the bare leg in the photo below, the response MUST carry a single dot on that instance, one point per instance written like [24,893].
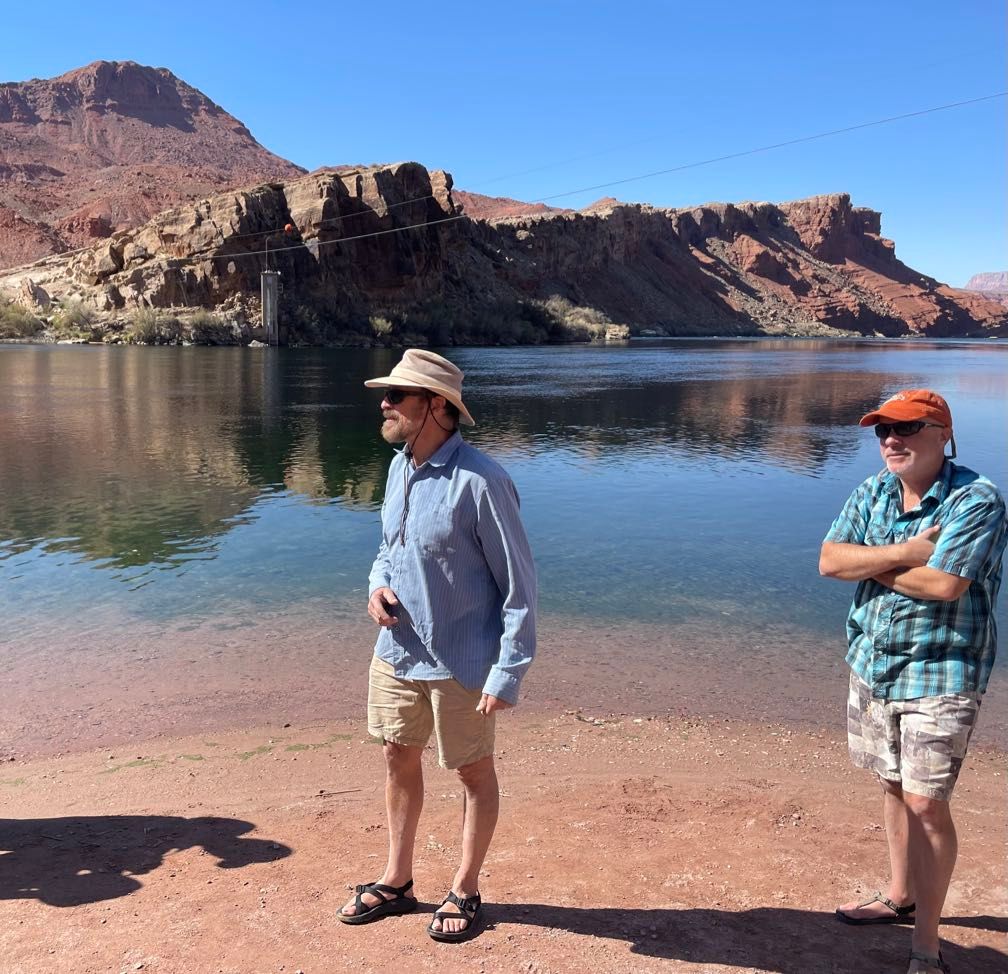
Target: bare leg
[482,802]
[403,802]
[901,890]
[933,849]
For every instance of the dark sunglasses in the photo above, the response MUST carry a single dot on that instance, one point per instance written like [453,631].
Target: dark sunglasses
[911,428]
[395,396]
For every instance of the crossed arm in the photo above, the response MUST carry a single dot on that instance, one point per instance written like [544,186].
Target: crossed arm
[902,567]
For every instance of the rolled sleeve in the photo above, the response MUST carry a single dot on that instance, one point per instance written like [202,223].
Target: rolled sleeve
[972,540]
[509,558]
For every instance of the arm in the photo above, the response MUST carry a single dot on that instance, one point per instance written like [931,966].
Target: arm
[381,599]
[924,583]
[971,542]
[509,558]
[856,562]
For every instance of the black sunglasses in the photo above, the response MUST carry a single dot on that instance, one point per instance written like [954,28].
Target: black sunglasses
[395,396]
[911,428]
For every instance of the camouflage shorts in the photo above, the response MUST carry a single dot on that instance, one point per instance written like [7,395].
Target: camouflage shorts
[919,744]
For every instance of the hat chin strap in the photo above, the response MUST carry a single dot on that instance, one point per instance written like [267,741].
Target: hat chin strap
[428,415]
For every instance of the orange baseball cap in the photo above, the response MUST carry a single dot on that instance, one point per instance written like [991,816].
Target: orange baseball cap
[908,405]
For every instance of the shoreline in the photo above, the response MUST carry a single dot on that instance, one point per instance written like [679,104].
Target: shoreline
[103,686]
[626,845]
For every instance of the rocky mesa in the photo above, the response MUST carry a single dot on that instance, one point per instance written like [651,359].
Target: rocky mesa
[385,253]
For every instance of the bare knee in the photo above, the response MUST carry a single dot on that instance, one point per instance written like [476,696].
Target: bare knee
[478,775]
[401,758]
[932,813]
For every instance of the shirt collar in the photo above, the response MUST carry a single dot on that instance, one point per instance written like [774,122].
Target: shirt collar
[446,450]
[937,492]
[443,453]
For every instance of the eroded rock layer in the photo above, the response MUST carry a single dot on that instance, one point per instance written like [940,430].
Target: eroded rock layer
[390,240]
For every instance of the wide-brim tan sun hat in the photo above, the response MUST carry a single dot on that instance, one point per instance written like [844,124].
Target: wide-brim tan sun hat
[420,369]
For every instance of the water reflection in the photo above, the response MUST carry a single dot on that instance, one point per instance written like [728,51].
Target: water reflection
[146,457]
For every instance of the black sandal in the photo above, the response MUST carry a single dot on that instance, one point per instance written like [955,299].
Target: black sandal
[469,906]
[395,903]
[900,914]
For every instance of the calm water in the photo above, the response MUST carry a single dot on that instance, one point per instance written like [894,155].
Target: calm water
[672,483]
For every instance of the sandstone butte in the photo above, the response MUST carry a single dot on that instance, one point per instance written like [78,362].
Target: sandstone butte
[452,260]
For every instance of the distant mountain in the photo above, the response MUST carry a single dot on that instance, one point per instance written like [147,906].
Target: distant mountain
[993,286]
[992,281]
[476,206]
[106,147]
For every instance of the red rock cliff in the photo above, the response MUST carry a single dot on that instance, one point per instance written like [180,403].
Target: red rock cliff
[106,147]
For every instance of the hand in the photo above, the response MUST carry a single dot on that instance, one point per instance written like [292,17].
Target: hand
[490,704]
[917,551]
[381,605]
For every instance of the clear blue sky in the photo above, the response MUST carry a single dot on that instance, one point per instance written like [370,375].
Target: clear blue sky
[531,99]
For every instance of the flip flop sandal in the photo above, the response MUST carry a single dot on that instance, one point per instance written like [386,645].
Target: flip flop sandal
[470,911]
[900,914]
[394,902]
[938,963]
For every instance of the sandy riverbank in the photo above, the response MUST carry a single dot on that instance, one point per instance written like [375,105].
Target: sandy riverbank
[625,845]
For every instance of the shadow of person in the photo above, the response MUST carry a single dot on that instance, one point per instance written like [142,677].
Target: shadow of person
[84,859]
[779,940]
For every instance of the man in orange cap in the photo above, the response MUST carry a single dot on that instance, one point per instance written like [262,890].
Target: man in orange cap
[924,541]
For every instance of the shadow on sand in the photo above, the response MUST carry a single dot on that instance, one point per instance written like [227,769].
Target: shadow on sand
[785,941]
[75,860]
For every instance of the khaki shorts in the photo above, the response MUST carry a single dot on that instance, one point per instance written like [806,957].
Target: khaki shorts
[406,711]
[919,744]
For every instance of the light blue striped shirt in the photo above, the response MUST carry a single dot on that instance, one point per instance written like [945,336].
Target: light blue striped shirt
[905,648]
[455,553]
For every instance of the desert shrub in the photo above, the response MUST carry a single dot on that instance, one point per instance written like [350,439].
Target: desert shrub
[148,326]
[205,328]
[74,320]
[573,322]
[381,327]
[16,322]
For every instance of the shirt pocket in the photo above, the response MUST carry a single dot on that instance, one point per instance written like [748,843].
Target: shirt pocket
[878,534]
[433,530]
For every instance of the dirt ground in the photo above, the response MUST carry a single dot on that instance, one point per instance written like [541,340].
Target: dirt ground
[625,845]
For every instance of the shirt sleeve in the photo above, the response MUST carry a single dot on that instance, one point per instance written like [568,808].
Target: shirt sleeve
[381,570]
[506,549]
[972,538]
[851,525]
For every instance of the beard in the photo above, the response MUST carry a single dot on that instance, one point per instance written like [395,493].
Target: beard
[392,430]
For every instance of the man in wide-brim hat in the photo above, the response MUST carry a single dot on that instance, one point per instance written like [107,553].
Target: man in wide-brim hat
[453,590]
[924,540]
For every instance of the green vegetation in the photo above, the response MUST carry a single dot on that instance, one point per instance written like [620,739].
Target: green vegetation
[16,322]
[75,322]
[149,326]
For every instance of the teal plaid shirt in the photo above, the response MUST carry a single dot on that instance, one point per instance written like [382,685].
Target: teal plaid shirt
[905,648]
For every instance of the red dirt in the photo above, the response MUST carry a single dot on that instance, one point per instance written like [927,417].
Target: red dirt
[625,845]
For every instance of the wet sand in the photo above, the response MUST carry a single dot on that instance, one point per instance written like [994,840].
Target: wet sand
[116,679]
[625,845]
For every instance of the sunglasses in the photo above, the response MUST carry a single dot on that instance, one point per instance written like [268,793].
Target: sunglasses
[395,396]
[911,428]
